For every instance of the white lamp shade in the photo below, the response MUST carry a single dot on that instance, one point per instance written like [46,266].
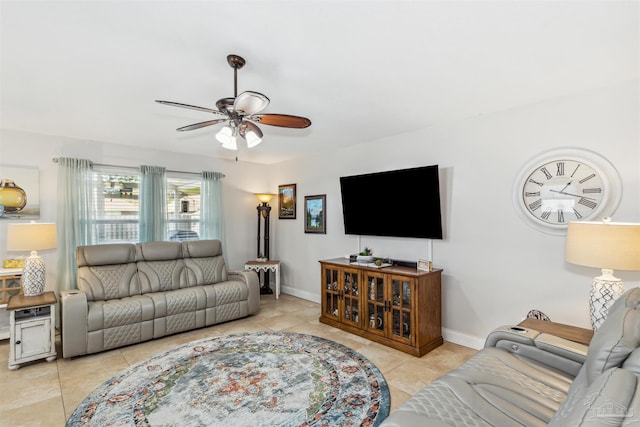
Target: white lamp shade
[251,133]
[31,236]
[614,246]
[227,138]
[232,144]
[252,139]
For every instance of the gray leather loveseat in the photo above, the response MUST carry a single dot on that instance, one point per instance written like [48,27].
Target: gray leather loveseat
[523,377]
[129,293]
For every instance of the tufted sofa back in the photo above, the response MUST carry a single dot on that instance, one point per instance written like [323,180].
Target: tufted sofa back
[618,336]
[107,271]
[204,262]
[121,270]
[160,266]
[606,391]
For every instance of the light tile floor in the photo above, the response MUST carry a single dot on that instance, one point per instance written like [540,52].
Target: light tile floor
[45,394]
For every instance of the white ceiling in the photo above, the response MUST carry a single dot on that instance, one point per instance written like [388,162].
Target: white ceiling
[360,70]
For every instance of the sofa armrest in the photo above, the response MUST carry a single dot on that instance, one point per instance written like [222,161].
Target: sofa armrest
[511,333]
[246,276]
[73,322]
[550,350]
[251,279]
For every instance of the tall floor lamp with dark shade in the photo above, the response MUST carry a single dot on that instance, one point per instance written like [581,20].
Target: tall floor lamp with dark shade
[23,237]
[263,215]
[609,246]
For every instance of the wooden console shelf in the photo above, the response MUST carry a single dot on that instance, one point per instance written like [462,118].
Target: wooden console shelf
[9,283]
[568,332]
[395,306]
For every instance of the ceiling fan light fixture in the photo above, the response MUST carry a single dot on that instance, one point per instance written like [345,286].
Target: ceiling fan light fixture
[240,111]
[232,144]
[251,133]
[252,139]
[227,137]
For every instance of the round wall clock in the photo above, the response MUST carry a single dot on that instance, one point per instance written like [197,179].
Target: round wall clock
[563,185]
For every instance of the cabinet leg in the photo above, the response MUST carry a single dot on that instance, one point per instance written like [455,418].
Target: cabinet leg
[51,358]
[13,367]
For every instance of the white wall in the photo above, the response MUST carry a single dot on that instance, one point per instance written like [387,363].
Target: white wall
[496,267]
[26,149]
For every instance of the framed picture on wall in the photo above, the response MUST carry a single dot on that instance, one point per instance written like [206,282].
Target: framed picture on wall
[19,193]
[287,201]
[315,219]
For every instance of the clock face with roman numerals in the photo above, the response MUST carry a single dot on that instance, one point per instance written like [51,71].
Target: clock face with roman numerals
[563,185]
[563,190]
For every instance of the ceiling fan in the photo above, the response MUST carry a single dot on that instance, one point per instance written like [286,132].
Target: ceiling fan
[241,113]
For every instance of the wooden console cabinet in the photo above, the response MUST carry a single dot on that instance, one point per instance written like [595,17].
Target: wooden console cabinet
[395,306]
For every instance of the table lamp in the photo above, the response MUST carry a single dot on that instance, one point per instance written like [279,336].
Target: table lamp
[32,237]
[609,246]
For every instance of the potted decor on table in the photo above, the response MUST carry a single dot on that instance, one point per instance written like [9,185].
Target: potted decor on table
[366,255]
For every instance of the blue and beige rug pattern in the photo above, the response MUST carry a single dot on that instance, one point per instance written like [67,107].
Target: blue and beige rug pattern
[254,379]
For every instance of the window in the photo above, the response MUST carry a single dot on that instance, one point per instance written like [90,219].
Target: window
[118,207]
[183,208]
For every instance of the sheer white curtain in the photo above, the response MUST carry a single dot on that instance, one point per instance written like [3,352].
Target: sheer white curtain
[211,216]
[153,203]
[75,216]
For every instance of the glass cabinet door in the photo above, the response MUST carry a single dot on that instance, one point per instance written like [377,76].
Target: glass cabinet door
[401,308]
[331,293]
[10,286]
[351,296]
[375,319]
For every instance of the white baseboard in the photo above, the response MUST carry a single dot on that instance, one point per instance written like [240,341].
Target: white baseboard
[462,339]
[309,296]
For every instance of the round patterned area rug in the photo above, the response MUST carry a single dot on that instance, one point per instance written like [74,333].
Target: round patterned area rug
[257,379]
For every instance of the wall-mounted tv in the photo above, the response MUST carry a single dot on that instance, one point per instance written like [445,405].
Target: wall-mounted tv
[398,203]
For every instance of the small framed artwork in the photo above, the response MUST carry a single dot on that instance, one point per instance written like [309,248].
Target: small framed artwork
[424,265]
[315,220]
[287,201]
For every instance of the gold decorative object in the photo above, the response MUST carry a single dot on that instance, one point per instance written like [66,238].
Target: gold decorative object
[13,263]
[12,197]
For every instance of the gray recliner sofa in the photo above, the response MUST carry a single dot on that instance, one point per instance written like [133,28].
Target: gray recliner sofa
[523,377]
[130,293]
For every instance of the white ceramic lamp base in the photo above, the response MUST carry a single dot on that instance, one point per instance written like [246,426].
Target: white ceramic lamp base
[33,275]
[604,291]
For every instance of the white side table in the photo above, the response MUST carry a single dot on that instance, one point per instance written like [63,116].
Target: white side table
[266,266]
[32,328]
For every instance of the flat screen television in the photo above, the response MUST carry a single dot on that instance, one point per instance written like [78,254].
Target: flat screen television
[398,203]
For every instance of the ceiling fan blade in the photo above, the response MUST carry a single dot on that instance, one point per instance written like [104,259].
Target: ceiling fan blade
[282,120]
[202,124]
[250,102]
[192,107]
